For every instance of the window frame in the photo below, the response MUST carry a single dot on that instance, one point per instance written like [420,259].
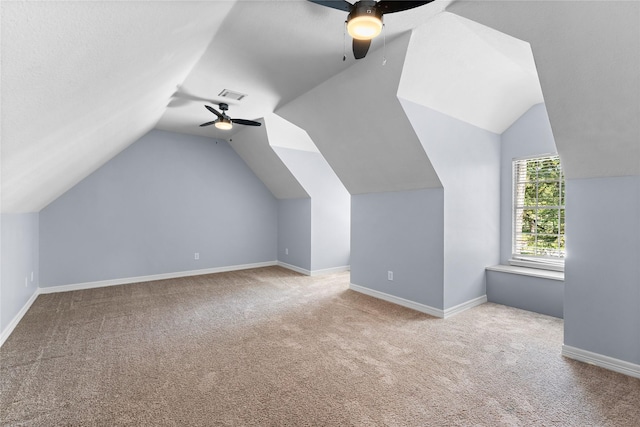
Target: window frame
[534,261]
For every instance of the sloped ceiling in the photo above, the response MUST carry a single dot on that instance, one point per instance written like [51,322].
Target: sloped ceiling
[272,51]
[358,124]
[285,134]
[449,64]
[470,72]
[252,144]
[588,58]
[83,80]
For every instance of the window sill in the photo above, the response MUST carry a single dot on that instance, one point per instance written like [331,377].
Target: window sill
[536,264]
[524,271]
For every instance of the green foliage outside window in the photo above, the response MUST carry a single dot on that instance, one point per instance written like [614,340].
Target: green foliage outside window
[539,208]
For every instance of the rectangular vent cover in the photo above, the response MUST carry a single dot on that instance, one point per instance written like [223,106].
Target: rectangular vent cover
[226,93]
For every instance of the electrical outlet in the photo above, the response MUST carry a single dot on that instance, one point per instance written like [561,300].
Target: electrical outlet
[32,276]
[26,282]
[196,255]
[390,275]
[286,251]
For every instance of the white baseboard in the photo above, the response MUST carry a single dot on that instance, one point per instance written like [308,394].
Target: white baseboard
[18,317]
[443,314]
[331,270]
[294,268]
[128,280]
[452,311]
[314,272]
[397,300]
[602,361]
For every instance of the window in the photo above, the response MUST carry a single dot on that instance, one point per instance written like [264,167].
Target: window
[538,213]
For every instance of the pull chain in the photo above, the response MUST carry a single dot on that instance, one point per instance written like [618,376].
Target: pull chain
[344,42]
[384,46]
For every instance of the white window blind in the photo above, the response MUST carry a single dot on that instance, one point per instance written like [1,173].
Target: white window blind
[539,210]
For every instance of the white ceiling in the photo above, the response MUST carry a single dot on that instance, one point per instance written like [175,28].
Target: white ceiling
[588,58]
[273,51]
[252,144]
[82,80]
[471,72]
[449,64]
[358,124]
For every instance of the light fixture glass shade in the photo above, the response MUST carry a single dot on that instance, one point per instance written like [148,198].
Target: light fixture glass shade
[364,27]
[224,124]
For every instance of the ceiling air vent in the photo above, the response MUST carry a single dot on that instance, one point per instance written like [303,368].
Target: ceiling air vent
[229,94]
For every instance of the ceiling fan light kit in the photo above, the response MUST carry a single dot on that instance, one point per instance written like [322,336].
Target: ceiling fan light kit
[364,21]
[223,124]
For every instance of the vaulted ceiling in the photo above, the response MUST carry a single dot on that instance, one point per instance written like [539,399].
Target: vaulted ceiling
[588,58]
[81,81]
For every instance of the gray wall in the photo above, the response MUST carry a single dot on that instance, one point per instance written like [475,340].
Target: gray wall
[467,160]
[530,135]
[19,255]
[589,76]
[150,208]
[536,294]
[330,207]
[402,232]
[602,269]
[294,232]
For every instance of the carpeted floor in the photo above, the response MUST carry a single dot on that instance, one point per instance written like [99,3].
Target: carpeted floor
[270,347]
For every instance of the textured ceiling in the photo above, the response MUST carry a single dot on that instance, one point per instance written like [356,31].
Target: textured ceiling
[471,72]
[588,59]
[366,137]
[272,51]
[252,144]
[81,80]
[449,64]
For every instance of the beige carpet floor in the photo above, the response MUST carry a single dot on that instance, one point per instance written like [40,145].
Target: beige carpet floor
[269,347]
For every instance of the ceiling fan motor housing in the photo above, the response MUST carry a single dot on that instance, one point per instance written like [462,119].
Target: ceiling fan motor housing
[365,7]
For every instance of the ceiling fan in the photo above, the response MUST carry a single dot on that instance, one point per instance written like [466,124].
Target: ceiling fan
[225,122]
[364,21]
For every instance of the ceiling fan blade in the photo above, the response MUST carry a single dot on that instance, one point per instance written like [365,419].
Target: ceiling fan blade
[334,4]
[189,97]
[213,110]
[390,6]
[360,48]
[246,122]
[208,123]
